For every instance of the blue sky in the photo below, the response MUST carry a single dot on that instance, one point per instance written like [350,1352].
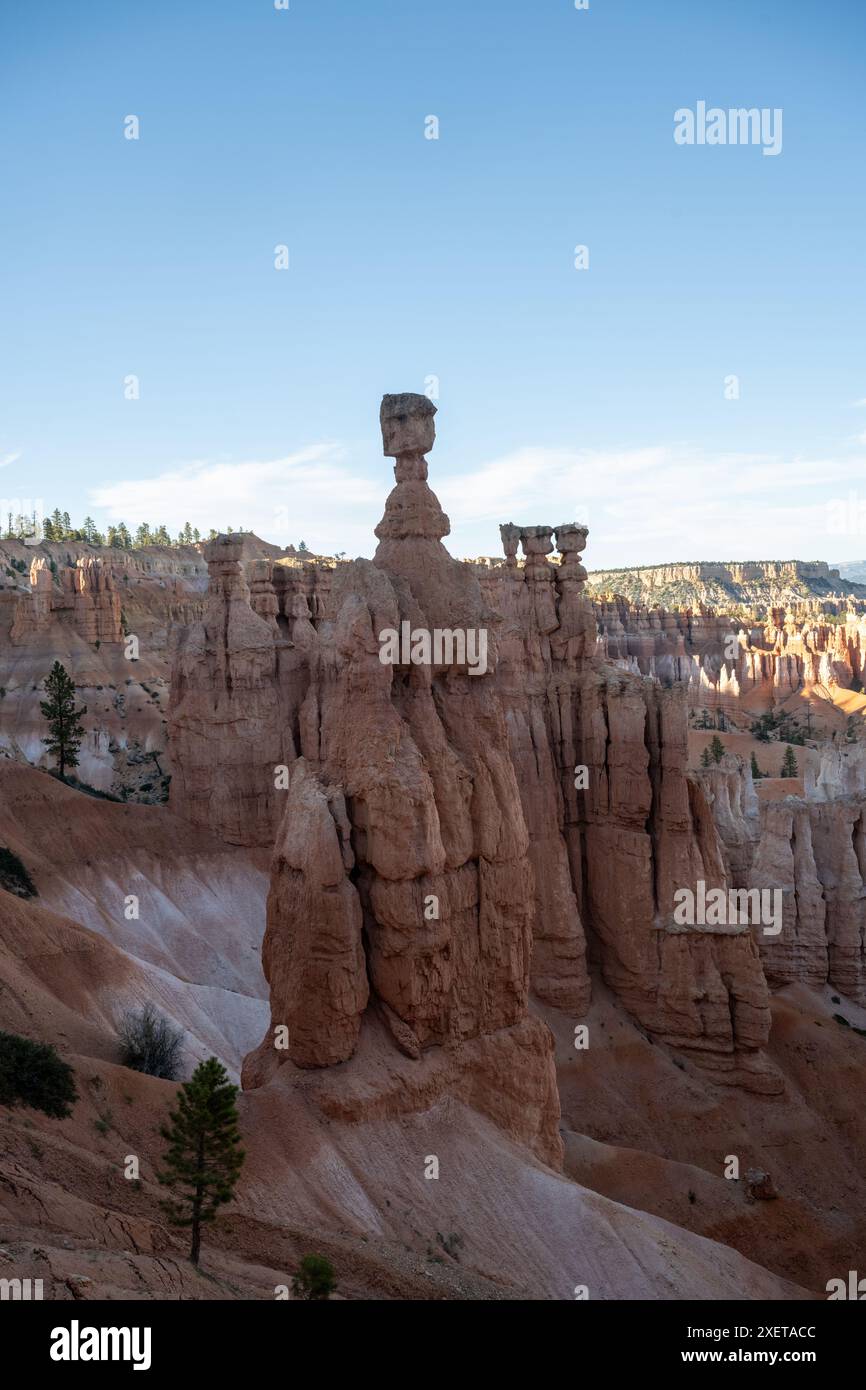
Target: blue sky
[594,395]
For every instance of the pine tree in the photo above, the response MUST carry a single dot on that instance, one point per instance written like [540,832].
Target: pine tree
[66,523]
[203,1162]
[717,749]
[48,530]
[756,771]
[789,764]
[65,728]
[706,760]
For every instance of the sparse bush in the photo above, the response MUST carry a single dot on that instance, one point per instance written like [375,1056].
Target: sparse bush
[13,875]
[315,1278]
[33,1074]
[85,787]
[450,1243]
[150,1043]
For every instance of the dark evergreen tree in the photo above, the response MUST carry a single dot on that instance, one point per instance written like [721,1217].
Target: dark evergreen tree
[706,760]
[789,764]
[65,730]
[756,771]
[717,749]
[203,1161]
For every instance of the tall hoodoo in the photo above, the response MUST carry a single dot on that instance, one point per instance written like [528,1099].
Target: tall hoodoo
[402,856]
[226,726]
[464,823]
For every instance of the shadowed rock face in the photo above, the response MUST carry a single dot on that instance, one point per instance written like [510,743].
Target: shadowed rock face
[814,854]
[438,850]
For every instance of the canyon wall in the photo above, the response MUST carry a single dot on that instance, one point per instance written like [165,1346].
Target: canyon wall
[765,584]
[87,600]
[722,658]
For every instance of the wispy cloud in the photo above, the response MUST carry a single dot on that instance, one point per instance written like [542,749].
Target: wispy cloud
[7,459]
[656,503]
[660,502]
[308,495]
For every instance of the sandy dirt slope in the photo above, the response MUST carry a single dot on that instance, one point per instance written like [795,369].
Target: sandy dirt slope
[194,948]
[336,1160]
[642,1127]
[495,1225]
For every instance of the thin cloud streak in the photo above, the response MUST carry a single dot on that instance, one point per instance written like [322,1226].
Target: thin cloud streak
[643,506]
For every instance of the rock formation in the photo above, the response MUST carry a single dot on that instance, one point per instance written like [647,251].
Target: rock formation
[725,656]
[227,727]
[87,600]
[402,855]
[814,852]
[469,826]
[765,583]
